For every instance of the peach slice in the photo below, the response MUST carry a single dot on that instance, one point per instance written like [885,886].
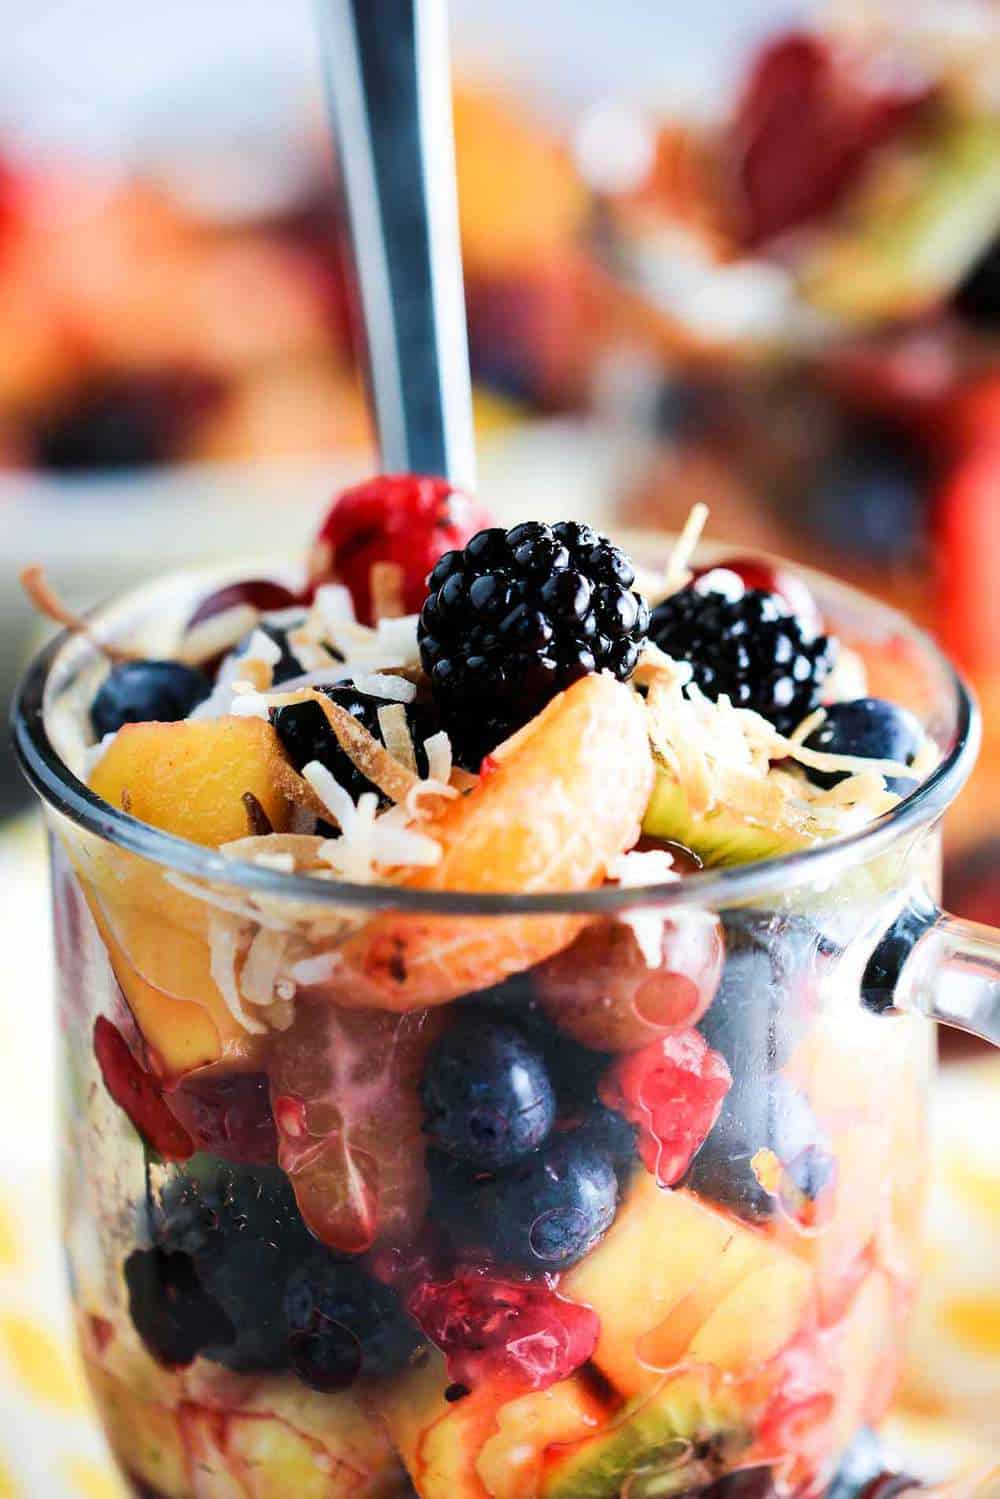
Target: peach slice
[561,799]
[492,1443]
[189,778]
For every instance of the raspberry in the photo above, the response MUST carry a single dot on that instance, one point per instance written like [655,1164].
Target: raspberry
[517,617]
[408,519]
[673,1091]
[139,1093]
[749,648]
[490,1327]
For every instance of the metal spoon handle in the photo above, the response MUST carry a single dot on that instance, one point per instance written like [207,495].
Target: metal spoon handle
[390,88]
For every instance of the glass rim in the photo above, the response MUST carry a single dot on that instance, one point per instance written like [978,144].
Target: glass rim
[62,791]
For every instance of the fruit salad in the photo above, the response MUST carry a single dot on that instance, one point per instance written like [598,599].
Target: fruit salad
[445,1140]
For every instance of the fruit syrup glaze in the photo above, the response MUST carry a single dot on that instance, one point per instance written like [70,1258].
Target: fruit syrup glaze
[404,1233]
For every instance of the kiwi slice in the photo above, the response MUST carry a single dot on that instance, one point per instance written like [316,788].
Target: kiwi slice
[679,1438]
[723,835]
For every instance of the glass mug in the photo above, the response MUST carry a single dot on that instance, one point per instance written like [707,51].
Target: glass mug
[281,1290]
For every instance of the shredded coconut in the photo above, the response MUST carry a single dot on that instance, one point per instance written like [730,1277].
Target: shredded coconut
[263,962]
[678,573]
[439,757]
[384,684]
[224,940]
[636,869]
[334,605]
[396,735]
[280,863]
[721,754]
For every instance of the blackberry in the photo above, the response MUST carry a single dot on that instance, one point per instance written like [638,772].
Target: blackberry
[518,616]
[751,648]
[230,1238]
[978,298]
[306,735]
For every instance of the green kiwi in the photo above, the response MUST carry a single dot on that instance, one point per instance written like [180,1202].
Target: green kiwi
[685,1434]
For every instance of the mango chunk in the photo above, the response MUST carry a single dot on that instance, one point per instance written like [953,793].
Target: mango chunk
[189,778]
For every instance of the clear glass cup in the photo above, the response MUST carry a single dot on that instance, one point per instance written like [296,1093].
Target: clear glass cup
[280,1290]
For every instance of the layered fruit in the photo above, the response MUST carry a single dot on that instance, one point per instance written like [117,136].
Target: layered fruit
[442,1137]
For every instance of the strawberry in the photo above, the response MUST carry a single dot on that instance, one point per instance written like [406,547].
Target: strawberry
[406,519]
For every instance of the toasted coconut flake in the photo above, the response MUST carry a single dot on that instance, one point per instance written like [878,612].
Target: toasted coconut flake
[310,654]
[233,905]
[808,726]
[386,583]
[280,863]
[849,678]
[224,939]
[396,735]
[656,666]
[631,871]
[678,573]
[317,969]
[397,636]
[439,757]
[217,634]
[302,849]
[335,800]
[262,965]
[721,753]
[364,751]
[384,684]
[45,599]
[334,605]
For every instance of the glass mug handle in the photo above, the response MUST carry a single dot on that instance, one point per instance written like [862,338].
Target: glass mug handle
[952,975]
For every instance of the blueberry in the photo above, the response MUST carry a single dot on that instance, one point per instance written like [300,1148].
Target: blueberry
[306,735]
[870,499]
[487,1095]
[243,1234]
[761,1112]
[871,728]
[341,1325]
[548,1211]
[147,692]
[609,1132]
[173,1314]
[882,973]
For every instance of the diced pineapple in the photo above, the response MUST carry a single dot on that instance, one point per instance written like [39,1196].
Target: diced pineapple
[675,1278]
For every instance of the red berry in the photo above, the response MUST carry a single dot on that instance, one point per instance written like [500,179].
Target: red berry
[229,1117]
[407,519]
[262,594]
[967,506]
[139,1094]
[672,1090]
[755,572]
[807,122]
[490,1328]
